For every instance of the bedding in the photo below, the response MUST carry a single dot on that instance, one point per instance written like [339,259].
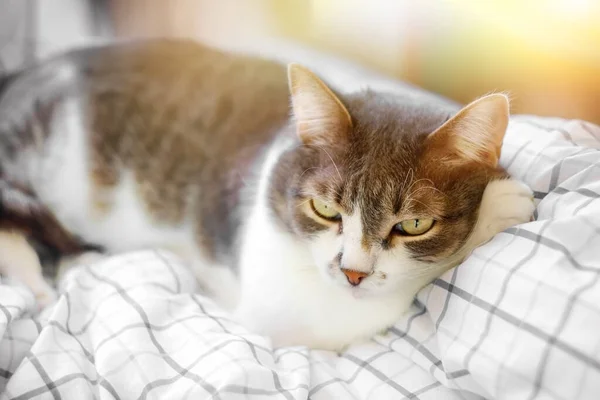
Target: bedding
[519,319]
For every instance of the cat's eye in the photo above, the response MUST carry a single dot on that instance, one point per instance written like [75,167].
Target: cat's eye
[414,227]
[324,210]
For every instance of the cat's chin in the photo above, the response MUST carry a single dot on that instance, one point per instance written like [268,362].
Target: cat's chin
[362,293]
[358,292]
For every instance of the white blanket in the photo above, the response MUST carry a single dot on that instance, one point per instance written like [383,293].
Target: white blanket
[519,319]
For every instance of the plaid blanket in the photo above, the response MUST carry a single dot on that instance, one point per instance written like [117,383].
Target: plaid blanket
[519,319]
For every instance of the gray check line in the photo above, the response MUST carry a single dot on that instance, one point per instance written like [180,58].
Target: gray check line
[335,379]
[406,393]
[83,329]
[588,305]
[422,349]
[203,311]
[109,388]
[99,321]
[157,328]
[582,191]
[8,335]
[436,362]
[427,388]
[562,131]
[61,328]
[431,357]
[285,392]
[545,161]
[252,346]
[595,133]
[50,385]
[321,385]
[534,156]
[511,319]
[561,326]
[166,381]
[586,372]
[163,382]
[38,326]
[582,206]
[369,360]
[446,301]
[6,313]
[482,268]
[156,384]
[554,175]
[255,391]
[554,245]
[236,338]
[516,154]
[92,318]
[417,346]
[171,270]
[11,352]
[490,316]
[57,383]
[287,351]
[172,363]
[567,312]
[404,332]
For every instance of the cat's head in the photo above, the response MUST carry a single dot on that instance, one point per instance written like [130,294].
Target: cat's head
[383,189]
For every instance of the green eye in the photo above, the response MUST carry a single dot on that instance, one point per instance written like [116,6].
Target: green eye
[324,210]
[414,227]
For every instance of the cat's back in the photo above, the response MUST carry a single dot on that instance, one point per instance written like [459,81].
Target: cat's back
[143,134]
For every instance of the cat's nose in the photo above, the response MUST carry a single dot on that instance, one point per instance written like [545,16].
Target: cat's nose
[354,277]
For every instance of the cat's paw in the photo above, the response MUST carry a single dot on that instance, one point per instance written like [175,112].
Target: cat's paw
[44,294]
[505,203]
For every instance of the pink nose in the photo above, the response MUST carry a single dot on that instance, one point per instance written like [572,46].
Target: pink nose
[354,277]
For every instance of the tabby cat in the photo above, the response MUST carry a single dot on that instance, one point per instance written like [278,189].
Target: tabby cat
[314,221]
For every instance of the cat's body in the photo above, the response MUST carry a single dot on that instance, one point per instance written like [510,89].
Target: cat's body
[169,144]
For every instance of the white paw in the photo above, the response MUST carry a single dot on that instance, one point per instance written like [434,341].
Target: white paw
[44,294]
[505,203]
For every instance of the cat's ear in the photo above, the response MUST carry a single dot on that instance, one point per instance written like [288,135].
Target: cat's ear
[475,133]
[321,118]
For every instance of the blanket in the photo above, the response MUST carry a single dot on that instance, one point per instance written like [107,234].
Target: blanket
[519,319]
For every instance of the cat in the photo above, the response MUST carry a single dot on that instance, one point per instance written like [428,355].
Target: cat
[313,215]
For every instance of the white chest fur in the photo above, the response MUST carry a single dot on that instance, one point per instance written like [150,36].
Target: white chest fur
[284,296]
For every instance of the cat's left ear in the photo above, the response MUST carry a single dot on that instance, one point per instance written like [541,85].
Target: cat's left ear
[475,133]
[321,118]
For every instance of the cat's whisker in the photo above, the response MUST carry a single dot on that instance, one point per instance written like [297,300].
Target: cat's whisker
[328,155]
[303,203]
[333,162]
[410,173]
[433,212]
[418,181]
[306,170]
[429,188]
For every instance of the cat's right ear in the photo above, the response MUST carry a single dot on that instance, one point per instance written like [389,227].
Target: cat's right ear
[321,118]
[475,134]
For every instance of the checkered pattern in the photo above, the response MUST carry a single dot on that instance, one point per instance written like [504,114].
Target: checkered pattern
[518,320]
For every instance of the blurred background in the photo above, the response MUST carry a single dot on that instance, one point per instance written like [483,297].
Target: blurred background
[546,53]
